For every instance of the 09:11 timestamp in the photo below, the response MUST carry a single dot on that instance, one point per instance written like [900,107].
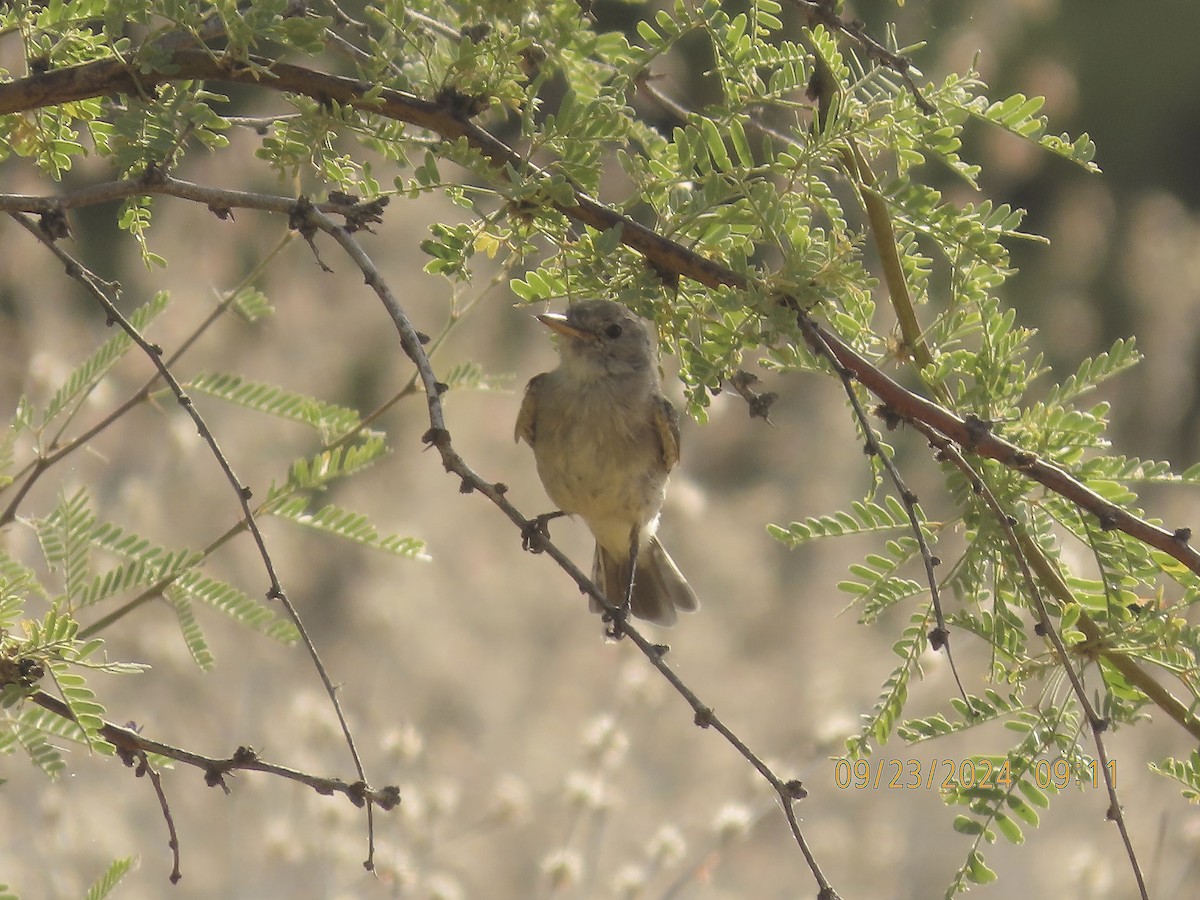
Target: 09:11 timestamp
[976,772]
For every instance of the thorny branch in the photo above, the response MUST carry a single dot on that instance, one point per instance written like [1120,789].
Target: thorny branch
[216,769]
[99,291]
[967,432]
[1025,551]
[109,76]
[438,436]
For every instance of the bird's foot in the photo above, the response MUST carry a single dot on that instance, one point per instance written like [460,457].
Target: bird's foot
[614,622]
[535,533]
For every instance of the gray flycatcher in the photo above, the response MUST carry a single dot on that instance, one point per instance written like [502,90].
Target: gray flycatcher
[605,438]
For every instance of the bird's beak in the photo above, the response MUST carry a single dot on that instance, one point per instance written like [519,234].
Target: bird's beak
[558,324]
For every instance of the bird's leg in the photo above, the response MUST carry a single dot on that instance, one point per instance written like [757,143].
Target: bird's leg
[535,532]
[627,603]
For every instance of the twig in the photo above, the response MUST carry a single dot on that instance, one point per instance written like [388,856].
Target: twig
[110,76]
[822,12]
[1025,550]
[141,766]
[438,436]
[91,283]
[939,638]
[244,759]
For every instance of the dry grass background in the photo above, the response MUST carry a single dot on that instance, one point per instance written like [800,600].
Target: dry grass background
[535,758]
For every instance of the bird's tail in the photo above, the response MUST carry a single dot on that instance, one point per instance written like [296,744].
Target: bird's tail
[659,589]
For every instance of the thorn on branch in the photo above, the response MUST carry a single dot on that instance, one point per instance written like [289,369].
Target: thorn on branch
[359,215]
[357,793]
[54,224]
[388,797]
[794,789]
[441,387]
[422,338]
[462,106]
[1023,460]
[214,776]
[891,419]
[300,220]
[436,437]
[153,175]
[221,211]
[759,404]
[977,429]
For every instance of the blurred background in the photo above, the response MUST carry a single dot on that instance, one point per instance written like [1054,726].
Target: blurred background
[536,759]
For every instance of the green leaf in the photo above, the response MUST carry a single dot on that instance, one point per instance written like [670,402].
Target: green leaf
[64,536]
[232,602]
[350,526]
[864,518]
[83,379]
[193,635]
[88,714]
[329,420]
[976,871]
[112,876]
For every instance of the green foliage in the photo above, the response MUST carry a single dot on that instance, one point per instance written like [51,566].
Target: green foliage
[1185,771]
[83,378]
[117,869]
[103,571]
[813,169]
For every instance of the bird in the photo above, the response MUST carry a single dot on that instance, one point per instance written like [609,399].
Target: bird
[605,439]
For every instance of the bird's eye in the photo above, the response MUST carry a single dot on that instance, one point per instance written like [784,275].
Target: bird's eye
[613,331]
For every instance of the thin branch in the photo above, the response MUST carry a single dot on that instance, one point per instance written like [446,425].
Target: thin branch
[92,284]
[438,436]
[244,759]
[141,766]
[939,638]
[1024,550]
[822,12]
[111,76]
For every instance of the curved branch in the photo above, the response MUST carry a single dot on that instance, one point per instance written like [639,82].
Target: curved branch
[112,76]
[244,759]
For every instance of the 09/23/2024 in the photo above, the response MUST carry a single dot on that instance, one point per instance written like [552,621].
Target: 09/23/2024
[967,773]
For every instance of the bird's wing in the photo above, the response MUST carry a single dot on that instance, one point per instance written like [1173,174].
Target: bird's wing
[666,423]
[528,414]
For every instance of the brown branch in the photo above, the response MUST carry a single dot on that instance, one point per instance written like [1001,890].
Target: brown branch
[438,436]
[822,12]
[109,76]
[1027,553]
[141,766]
[96,288]
[244,759]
